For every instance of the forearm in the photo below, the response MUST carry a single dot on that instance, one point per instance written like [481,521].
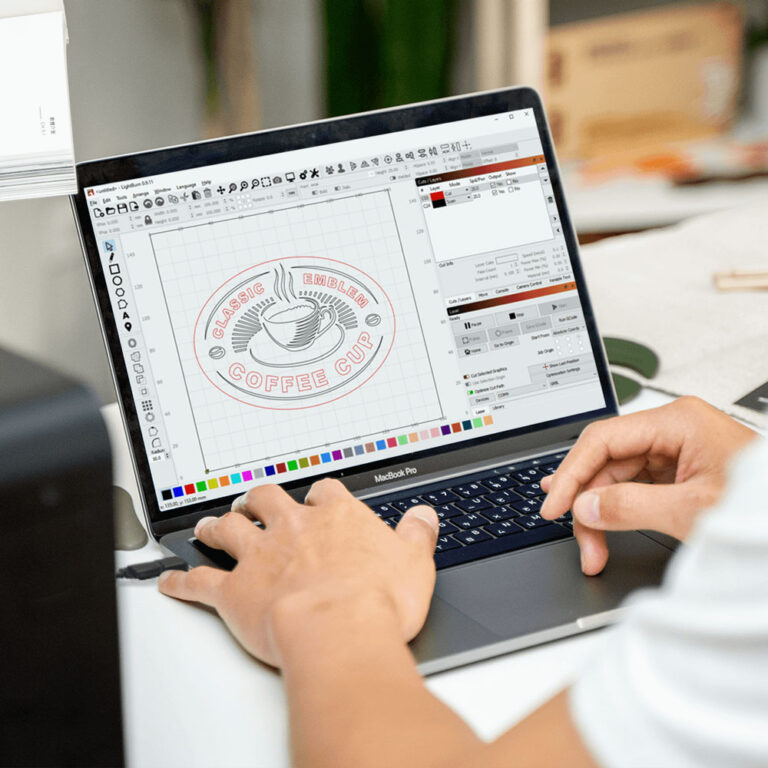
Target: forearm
[355,696]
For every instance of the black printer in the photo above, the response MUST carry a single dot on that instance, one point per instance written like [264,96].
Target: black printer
[59,667]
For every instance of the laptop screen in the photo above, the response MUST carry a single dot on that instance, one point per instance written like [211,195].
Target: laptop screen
[315,310]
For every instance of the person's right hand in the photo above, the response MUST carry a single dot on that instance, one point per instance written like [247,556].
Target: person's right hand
[678,453]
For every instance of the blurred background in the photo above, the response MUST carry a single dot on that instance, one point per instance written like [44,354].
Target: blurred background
[659,109]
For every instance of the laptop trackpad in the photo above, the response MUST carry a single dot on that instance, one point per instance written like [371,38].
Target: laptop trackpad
[543,587]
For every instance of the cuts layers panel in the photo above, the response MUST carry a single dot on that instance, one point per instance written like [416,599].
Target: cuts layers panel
[292,311]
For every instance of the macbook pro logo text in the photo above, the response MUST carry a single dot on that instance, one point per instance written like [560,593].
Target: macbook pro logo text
[294,332]
[395,474]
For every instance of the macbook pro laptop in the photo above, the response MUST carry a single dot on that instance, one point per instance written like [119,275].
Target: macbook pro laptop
[394,299]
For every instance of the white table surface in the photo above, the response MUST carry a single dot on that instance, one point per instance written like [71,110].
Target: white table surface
[193,697]
[631,203]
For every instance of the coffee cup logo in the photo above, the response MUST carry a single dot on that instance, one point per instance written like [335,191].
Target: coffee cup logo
[296,323]
[294,332]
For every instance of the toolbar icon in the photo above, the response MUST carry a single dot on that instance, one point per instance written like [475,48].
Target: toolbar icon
[147,219]
[290,176]
[207,192]
[173,200]
[98,213]
[159,202]
[352,165]
[243,186]
[148,203]
[232,188]
[196,194]
[277,180]
[110,211]
[329,169]
[220,189]
[314,173]
[122,208]
[266,181]
[255,183]
[133,206]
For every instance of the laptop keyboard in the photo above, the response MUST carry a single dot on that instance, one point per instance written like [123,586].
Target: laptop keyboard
[483,514]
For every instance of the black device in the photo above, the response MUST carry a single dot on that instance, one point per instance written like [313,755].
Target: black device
[59,669]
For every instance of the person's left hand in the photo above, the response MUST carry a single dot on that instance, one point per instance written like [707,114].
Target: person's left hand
[331,550]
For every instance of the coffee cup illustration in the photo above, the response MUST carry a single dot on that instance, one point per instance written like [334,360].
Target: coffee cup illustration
[297,326]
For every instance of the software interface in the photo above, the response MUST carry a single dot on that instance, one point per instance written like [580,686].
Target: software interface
[289,315]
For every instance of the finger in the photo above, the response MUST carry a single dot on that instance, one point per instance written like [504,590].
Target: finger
[592,544]
[326,491]
[420,526]
[266,503]
[593,548]
[612,472]
[231,532]
[200,585]
[666,508]
[620,438]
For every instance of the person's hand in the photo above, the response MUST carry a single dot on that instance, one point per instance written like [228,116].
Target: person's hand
[330,550]
[678,453]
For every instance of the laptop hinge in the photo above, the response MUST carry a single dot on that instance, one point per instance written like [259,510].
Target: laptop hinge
[499,463]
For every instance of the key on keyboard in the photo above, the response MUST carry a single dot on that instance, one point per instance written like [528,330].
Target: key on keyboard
[473,505]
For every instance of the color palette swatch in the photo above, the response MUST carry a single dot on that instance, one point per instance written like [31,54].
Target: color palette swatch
[328,457]
[438,199]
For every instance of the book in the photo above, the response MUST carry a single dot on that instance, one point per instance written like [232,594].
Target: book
[36,150]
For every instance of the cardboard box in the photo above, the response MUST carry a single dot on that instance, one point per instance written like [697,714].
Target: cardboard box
[635,82]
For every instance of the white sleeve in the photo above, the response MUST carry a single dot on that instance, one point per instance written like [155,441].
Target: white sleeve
[683,681]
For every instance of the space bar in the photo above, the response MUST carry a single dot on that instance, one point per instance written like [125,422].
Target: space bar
[499,546]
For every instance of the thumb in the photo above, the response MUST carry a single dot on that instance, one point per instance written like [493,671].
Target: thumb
[420,526]
[667,508]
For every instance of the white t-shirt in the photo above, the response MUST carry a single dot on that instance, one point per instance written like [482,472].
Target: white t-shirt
[683,681]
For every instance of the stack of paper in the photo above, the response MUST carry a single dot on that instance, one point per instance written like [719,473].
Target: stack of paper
[36,153]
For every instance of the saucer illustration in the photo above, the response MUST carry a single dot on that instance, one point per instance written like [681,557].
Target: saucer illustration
[265,351]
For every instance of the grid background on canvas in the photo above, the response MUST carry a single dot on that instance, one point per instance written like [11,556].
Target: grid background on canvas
[194,261]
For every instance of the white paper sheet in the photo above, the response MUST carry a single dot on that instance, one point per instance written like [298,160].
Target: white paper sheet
[36,152]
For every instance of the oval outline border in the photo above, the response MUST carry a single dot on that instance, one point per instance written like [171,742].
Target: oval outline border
[300,407]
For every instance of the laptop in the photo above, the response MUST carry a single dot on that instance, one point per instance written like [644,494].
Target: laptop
[393,299]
